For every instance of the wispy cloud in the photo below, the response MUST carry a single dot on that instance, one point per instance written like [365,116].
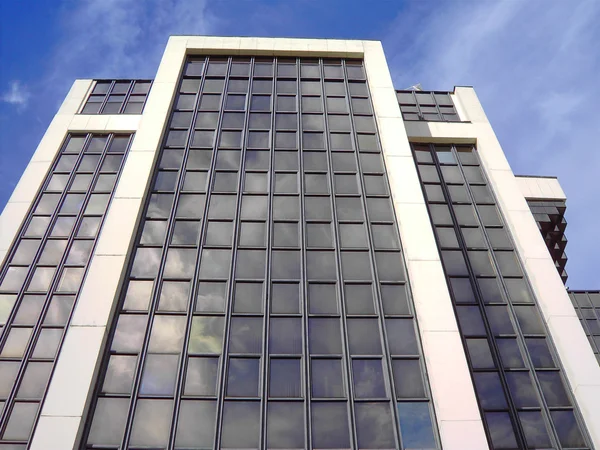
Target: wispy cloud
[121,38]
[534,66]
[17,94]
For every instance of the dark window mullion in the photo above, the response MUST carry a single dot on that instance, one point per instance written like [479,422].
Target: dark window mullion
[375,276]
[221,391]
[338,268]
[520,335]
[181,371]
[303,277]
[489,334]
[154,297]
[105,101]
[45,236]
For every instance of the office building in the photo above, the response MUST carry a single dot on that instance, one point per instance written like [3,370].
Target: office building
[268,246]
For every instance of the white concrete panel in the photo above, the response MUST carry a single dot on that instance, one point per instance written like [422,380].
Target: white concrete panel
[459,108]
[393,136]
[463,435]
[470,104]
[80,89]
[376,66]
[385,103]
[505,182]
[119,227]
[440,132]
[79,122]
[30,182]
[135,176]
[336,47]
[552,290]
[10,222]
[576,354]
[55,433]
[53,138]
[432,300]
[404,180]
[72,380]
[450,381]
[97,122]
[417,235]
[123,122]
[538,188]
[535,247]
[172,60]
[99,291]
[591,394]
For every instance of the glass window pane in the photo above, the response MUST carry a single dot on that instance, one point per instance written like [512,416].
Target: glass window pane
[119,374]
[195,424]
[129,333]
[243,377]
[285,425]
[160,372]
[206,335]
[568,430]
[245,335]
[330,425]
[241,424]
[401,336]
[285,298]
[408,380]
[364,337]
[151,423]
[534,428]
[501,430]
[285,379]
[201,376]
[324,336]
[415,425]
[367,375]
[108,424]
[167,334]
[285,336]
[374,425]
[248,298]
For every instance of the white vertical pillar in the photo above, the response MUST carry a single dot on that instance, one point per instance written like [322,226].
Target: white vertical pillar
[457,413]
[576,355]
[72,385]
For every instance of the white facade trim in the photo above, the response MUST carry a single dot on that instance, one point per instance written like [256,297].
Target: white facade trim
[457,413]
[576,356]
[540,188]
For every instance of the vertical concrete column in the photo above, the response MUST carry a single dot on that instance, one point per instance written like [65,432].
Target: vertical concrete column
[457,413]
[575,353]
[65,408]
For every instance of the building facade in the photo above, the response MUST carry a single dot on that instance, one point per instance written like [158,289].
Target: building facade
[268,246]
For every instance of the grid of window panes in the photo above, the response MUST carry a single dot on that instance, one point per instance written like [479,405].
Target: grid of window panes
[267,304]
[524,399]
[429,106]
[117,97]
[587,306]
[44,270]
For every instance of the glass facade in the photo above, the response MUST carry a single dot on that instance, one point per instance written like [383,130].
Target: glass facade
[520,388]
[117,97]
[266,303]
[587,306]
[44,270]
[425,105]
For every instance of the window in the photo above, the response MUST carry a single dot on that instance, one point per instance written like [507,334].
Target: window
[508,347]
[428,106]
[124,96]
[43,276]
[268,271]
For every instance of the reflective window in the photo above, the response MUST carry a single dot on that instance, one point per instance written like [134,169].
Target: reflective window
[122,96]
[509,351]
[44,271]
[268,279]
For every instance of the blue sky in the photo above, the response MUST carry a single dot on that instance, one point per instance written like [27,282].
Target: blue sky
[535,66]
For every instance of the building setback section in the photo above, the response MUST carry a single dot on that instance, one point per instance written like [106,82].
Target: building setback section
[63,422]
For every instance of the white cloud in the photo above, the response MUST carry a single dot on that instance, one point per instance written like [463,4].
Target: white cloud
[535,69]
[121,38]
[17,94]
